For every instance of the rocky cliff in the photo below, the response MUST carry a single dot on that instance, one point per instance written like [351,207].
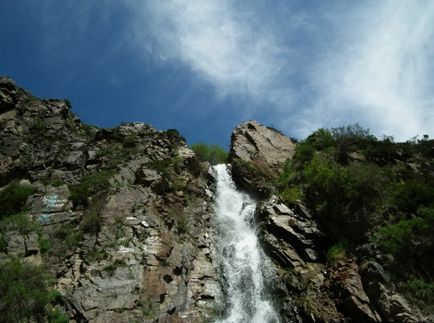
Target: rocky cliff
[122,217]
[353,280]
[117,225]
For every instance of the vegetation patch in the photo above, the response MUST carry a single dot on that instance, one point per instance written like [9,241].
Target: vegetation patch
[25,293]
[13,198]
[89,185]
[91,222]
[20,222]
[214,154]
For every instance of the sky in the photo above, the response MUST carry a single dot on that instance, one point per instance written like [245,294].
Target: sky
[204,66]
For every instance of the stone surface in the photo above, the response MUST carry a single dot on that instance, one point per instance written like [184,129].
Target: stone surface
[349,293]
[267,148]
[285,232]
[139,247]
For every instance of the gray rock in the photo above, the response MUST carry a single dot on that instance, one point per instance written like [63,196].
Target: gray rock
[268,149]
[350,296]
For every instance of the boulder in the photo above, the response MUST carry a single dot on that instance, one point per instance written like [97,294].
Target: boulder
[265,147]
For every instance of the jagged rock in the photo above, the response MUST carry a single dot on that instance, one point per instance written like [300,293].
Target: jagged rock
[394,307]
[350,296]
[148,177]
[267,148]
[285,232]
[190,161]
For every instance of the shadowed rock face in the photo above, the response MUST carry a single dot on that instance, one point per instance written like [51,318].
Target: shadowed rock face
[265,147]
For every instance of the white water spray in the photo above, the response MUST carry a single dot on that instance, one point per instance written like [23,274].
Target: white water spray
[241,255]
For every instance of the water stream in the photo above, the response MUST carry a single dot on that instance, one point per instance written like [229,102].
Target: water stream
[242,258]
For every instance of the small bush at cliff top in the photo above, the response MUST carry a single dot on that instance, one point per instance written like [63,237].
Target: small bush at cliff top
[13,198]
[213,154]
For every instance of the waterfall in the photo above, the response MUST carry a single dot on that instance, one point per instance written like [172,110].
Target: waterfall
[242,258]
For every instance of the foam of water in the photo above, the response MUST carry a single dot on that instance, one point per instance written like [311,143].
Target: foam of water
[242,257]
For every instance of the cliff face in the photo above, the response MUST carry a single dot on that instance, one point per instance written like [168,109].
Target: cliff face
[120,222]
[334,261]
[122,216]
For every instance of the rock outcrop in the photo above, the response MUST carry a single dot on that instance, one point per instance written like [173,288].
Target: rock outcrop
[265,147]
[122,219]
[124,215]
[309,287]
[257,155]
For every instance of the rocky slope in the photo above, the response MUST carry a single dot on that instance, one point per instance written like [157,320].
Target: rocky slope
[117,225]
[123,215]
[315,285]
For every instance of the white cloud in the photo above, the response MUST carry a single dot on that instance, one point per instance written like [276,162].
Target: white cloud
[223,44]
[380,71]
[369,63]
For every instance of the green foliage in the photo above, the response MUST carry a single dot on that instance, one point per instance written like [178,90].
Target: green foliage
[64,239]
[408,238]
[56,315]
[213,154]
[45,244]
[352,134]
[344,197]
[24,292]
[182,222]
[91,222]
[420,289]
[89,185]
[13,198]
[290,195]
[411,194]
[88,131]
[20,222]
[337,252]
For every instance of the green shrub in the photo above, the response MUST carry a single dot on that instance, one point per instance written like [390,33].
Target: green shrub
[89,185]
[56,315]
[412,194]
[410,240]
[3,243]
[337,252]
[420,289]
[24,292]
[344,197]
[322,139]
[91,222]
[20,222]
[182,224]
[13,198]
[65,238]
[352,134]
[213,154]
[291,195]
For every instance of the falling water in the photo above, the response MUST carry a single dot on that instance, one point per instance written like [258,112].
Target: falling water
[242,258]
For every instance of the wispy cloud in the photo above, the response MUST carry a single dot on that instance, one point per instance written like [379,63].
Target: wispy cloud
[369,63]
[225,45]
[379,71]
[297,65]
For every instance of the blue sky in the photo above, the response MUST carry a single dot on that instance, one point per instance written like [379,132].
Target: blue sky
[203,66]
